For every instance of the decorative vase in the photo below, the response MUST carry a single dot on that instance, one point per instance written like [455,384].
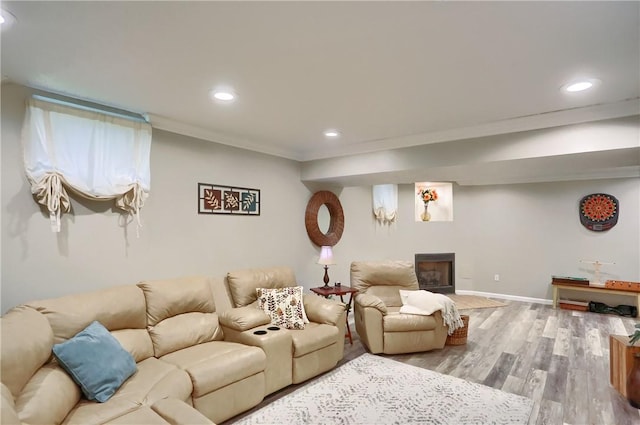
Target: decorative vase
[633,383]
[425,215]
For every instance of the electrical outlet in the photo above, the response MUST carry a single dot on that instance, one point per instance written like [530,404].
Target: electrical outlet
[496,277]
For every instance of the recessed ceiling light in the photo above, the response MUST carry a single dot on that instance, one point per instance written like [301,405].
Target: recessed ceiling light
[581,85]
[332,133]
[223,94]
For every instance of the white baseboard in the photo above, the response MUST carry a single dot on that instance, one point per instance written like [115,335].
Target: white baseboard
[505,297]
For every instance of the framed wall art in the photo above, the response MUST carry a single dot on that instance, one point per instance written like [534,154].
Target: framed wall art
[229,200]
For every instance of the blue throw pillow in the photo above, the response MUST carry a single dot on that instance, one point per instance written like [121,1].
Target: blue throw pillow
[96,361]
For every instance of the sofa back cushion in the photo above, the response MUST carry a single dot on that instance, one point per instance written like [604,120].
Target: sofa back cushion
[384,279]
[27,340]
[170,297]
[180,313]
[136,341]
[117,308]
[243,283]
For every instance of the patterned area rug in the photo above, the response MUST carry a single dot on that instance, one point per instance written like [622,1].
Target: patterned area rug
[375,390]
[466,302]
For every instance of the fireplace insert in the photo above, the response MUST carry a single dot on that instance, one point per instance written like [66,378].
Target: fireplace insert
[436,272]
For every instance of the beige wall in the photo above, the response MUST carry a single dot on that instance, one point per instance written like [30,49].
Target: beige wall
[94,251]
[524,232]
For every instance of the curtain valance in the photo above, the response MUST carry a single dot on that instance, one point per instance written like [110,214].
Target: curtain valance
[385,203]
[96,155]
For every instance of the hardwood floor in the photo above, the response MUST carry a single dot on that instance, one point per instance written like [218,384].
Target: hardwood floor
[558,358]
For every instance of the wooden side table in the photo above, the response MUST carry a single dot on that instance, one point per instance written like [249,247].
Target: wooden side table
[621,361]
[341,291]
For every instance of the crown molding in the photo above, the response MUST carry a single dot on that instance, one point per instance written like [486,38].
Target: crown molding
[526,123]
[174,126]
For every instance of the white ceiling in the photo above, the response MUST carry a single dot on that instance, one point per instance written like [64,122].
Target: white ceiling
[386,74]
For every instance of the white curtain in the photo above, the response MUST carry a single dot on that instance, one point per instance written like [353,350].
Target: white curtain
[97,156]
[385,203]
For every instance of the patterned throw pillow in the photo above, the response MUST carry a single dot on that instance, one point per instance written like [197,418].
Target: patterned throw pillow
[283,305]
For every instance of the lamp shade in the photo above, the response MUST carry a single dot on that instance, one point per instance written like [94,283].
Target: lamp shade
[326,256]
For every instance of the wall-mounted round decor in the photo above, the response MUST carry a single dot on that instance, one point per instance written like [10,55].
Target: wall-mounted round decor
[336,223]
[599,211]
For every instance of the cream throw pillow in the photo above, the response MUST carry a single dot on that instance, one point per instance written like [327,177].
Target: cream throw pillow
[420,302]
[426,303]
[283,305]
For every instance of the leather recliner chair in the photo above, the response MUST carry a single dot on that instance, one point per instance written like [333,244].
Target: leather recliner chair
[381,326]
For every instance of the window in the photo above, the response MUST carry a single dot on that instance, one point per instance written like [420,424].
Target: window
[98,155]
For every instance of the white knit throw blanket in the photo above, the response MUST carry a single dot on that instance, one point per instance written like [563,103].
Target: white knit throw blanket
[450,314]
[426,303]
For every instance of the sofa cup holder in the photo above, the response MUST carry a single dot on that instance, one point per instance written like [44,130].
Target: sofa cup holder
[263,332]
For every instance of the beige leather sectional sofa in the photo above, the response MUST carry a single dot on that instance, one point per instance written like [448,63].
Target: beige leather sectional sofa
[199,359]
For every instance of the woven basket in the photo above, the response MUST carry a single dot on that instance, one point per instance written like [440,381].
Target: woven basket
[459,336]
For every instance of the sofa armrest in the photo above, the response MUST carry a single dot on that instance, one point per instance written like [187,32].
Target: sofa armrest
[8,414]
[368,300]
[370,327]
[244,318]
[322,310]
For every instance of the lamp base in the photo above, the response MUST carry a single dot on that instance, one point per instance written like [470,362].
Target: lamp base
[326,276]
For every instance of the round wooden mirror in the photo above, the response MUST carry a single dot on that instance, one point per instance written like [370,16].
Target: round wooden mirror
[336,218]
[324,218]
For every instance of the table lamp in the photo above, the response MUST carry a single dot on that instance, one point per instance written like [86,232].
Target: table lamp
[326,259]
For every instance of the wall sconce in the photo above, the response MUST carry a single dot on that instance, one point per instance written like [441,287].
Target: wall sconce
[326,259]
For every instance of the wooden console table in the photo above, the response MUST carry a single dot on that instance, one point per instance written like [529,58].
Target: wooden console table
[582,287]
